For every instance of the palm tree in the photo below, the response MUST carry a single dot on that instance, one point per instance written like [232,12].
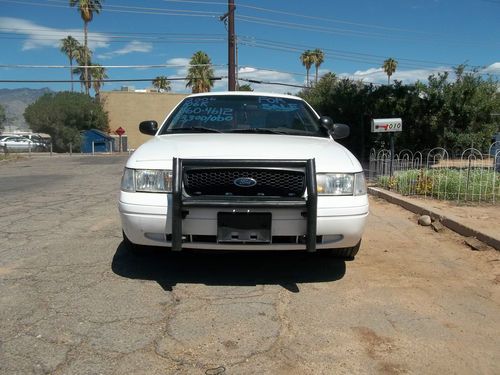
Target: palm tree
[69,46]
[200,74]
[389,67]
[87,8]
[307,59]
[318,58]
[161,83]
[98,74]
[81,54]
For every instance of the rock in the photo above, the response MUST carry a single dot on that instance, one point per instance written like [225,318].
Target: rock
[437,226]
[475,244]
[425,220]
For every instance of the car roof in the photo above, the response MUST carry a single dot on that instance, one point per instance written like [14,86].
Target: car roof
[245,93]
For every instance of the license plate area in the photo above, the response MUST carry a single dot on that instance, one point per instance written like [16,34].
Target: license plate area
[242,227]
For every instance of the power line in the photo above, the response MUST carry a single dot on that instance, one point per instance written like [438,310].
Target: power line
[101,80]
[337,31]
[109,66]
[124,9]
[260,82]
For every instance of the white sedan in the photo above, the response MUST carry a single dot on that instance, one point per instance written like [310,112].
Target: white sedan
[20,144]
[244,171]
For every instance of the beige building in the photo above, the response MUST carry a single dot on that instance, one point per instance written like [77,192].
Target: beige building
[127,109]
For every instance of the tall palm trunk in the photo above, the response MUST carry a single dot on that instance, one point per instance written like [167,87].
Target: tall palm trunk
[71,73]
[86,72]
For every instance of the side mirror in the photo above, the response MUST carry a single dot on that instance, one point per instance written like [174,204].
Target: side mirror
[148,127]
[326,122]
[340,131]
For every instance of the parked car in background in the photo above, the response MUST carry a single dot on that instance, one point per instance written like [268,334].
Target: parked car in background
[244,171]
[21,144]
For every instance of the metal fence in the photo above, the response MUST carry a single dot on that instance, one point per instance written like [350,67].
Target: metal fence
[466,176]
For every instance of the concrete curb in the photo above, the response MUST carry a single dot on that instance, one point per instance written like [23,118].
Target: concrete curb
[448,221]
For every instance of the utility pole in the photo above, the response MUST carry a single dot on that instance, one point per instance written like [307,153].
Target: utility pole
[231,73]
[228,19]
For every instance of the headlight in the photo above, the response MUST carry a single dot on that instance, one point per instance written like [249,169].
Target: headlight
[341,184]
[147,180]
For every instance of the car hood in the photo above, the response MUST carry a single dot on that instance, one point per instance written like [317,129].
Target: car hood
[158,152]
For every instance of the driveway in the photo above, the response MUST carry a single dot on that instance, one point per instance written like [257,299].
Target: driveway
[73,300]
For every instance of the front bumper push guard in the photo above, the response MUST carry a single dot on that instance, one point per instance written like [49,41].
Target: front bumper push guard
[182,202]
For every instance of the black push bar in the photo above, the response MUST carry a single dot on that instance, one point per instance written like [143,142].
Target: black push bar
[181,201]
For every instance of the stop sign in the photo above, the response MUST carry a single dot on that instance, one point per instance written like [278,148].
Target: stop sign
[120,131]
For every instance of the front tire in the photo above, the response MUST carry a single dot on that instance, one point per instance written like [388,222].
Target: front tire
[346,253]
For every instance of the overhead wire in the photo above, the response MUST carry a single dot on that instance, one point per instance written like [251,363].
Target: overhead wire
[249,41]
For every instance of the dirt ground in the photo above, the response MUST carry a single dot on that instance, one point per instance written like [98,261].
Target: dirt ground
[482,217]
[73,300]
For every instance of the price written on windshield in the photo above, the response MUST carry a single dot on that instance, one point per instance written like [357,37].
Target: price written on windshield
[386,125]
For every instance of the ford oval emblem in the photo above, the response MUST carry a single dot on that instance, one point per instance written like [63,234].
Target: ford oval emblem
[245,182]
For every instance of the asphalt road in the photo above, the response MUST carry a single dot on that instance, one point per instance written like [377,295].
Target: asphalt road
[73,300]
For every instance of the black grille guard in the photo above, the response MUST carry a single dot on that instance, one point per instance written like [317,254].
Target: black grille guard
[181,202]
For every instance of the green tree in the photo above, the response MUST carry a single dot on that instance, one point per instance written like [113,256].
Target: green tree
[462,108]
[2,116]
[64,115]
[318,59]
[200,73]
[389,67]
[87,8]
[69,46]
[161,83]
[454,114]
[98,75]
[307,59]
[245,87]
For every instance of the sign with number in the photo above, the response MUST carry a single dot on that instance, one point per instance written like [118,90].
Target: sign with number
[387,125]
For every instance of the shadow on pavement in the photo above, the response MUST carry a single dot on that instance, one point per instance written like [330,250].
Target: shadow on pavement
[214,268]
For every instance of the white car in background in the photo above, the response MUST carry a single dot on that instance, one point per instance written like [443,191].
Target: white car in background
[21,144]
[244,171]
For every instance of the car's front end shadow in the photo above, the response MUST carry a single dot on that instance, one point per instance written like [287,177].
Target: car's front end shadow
[287,269]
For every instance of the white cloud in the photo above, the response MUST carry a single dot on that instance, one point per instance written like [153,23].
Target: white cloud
[42,37]
[182,64]
[181,61]
[270,76]
[133,46]
[378,76]
[492,69]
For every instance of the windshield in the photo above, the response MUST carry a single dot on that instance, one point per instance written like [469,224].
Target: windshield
[243,114]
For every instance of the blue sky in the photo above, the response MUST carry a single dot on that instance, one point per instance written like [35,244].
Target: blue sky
[424,36]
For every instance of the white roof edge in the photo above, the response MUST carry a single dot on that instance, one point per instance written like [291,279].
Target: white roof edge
[244,93]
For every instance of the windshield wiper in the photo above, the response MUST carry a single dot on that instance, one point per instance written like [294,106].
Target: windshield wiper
[195,129]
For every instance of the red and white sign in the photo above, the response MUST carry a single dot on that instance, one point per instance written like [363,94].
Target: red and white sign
[120,131]
[387,125]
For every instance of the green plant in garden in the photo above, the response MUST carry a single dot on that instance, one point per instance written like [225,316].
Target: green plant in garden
[474,184]
[424,183]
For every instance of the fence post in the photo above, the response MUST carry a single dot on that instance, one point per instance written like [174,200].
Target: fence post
[70,149]
[93,148]
[392,155]
[50,148]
